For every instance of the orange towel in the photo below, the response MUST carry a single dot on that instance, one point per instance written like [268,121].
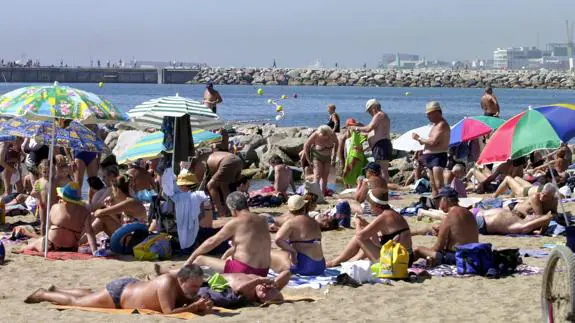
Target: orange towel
[186,316]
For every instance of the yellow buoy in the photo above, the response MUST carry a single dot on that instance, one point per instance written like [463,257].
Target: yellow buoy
[260,91]
[284,97]
[101,84]
[279,108]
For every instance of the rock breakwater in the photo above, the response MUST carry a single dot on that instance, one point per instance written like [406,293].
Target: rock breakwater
[543,79]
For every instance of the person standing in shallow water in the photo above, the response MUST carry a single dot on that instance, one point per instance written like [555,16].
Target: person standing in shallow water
[333,121]
[489,103]
[212,97]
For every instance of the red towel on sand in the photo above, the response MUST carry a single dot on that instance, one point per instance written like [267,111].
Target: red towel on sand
[57,255]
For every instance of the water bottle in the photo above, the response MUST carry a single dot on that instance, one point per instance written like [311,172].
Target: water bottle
[2,253]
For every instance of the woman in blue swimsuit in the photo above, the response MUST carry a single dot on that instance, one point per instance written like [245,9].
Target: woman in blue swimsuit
[300,241]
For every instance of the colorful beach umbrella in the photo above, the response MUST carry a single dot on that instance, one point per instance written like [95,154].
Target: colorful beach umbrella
[151,146]
[150,114]
[75,135]
[48,102]
[531,130]
[472,128]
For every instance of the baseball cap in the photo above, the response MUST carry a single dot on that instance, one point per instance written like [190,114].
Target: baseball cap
[374,167]
[370,103]
[448,191]
[296,202]
[432,106]
[350,122]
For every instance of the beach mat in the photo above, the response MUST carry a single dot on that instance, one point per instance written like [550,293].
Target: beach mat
[221,312]
[57,255]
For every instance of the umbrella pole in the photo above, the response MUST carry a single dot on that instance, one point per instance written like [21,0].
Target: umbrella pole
[174,147]
[48,206]
[560,201]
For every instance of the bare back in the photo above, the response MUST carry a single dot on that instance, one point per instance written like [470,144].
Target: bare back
[252,240]
[381,130]
[145,294]
[489,104]
[460,228]
[440,133]
[283,178]
[67,224]
[308,232]
[390,222]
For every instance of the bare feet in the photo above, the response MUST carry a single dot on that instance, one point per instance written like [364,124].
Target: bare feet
[35,297]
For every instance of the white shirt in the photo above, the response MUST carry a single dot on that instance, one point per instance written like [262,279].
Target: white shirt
[188,208]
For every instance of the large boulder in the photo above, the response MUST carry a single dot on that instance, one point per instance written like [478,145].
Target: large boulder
[292,146]
[264,161]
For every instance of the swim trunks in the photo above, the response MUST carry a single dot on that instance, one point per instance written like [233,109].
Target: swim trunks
[490,114]
[236,266]
[308,267]
[229,170]
[481,224]
[435,160]
[85,156]
[116,288]
[445,257]
[382,150]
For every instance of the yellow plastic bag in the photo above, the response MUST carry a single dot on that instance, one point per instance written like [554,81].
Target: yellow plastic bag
[155,247]
[393,261]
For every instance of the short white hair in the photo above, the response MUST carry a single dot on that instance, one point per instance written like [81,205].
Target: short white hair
[324,130]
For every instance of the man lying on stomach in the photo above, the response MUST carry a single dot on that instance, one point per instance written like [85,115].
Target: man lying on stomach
[169,294]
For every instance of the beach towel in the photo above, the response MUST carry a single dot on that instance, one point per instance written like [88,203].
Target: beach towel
[57,255]
[355,158]
[451,271]
[221,312]
[317,282]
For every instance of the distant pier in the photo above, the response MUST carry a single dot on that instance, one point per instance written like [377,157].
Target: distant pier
[95,75]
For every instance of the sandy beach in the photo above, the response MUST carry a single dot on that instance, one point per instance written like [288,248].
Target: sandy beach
[438,299]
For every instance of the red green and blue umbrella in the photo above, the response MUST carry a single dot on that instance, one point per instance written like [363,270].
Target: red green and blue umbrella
[472,128]
[535,129]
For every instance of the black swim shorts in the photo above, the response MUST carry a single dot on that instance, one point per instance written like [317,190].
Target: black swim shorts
[435,160]
[382,150]
[445,257]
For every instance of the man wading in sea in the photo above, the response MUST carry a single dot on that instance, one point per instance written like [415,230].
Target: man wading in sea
[489,103]
[212,97]
[436,146]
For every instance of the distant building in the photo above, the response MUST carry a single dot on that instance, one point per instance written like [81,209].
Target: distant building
[397,58]
[516,57]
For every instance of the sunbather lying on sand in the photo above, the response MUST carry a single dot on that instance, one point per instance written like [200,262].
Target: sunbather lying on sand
[457,227]
[369,238]
[326,222]
[238,289]
[168,294]
[495,221]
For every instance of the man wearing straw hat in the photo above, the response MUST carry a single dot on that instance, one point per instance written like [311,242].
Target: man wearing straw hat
[436,146]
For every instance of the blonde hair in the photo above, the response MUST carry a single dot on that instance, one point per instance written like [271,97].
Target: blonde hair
[324,130]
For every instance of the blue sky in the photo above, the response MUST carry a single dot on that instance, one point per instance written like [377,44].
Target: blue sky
[294,32]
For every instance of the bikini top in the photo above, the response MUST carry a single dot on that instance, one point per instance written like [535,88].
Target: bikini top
[388,237]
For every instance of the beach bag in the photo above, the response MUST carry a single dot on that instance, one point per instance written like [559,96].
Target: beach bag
[359,271]
[154,247]
[506,261]
[2,253]
[393,261]
[474,258]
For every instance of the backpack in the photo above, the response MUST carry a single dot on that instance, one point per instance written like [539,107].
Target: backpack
[474,258]
[393,261]
[155,247]
[506,261]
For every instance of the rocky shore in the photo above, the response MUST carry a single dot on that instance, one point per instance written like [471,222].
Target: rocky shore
[543,79]
[285,142]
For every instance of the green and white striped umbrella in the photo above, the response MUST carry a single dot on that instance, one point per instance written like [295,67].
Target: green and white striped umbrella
[150,114]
